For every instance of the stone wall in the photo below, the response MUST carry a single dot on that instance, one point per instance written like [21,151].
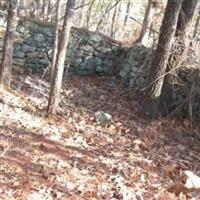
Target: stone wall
[87,53]
[93,53]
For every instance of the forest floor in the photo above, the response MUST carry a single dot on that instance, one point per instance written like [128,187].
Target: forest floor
[72,157]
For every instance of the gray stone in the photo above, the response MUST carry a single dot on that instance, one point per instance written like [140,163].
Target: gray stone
[22,29]
[86,69]
[100,69]
[43,62]
[50,33]
[41,45]
[107,62]
[123,74]
[103,70]
[95,38]
[98,61]
[19,54]
[19,61]
[112,83]
[102,117]
[41,54]
[31,65]
[27,48]
[30,42]
[87,48]
[17,47]
[140,82]
[32,54]
[134,69]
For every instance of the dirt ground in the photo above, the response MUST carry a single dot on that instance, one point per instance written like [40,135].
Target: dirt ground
[72,157]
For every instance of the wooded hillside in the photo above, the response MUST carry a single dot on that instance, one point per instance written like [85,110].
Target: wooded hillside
[100,99]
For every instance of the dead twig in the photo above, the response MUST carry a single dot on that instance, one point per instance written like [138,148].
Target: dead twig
[5,150]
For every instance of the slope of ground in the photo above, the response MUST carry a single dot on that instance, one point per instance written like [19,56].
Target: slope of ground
[72,157]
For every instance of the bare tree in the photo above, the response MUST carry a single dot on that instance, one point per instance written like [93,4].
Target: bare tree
[83,12]
[162,53]
[112,29]
[107,11]
[197,24]
[180,50]
[147,22]
[89,12]
[6,62]
[55,48]
[56,83]
[186,16]
[127,13]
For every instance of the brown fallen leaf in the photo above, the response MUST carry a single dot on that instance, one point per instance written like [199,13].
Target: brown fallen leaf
[192,184]
[171,170]
[175,188]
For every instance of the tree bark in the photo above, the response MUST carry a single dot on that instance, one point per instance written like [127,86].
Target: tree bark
[159,62]
[82,14]
[55,47]
[186,16]
[108,10]
[180,49]
[197,24]
[127,13]
[144,34]
[54,96]
[6,62]
[49,10]
[89,13]
[113,22]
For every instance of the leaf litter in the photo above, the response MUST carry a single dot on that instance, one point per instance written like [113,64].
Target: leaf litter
[71,156]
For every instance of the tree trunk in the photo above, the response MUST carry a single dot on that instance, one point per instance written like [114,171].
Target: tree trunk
[113,22]
[55,48]
[89,13]
[197,24]
[144,34]
[49,10]
[159,62]
[44,9]
[82,14]
[54,96]
[20,7]
[106,25]
[186,16]
[6,62]
[180,49]
[127,13]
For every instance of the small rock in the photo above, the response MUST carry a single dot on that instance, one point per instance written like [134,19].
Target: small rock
[112,83]
[102,117]
[102,97]
[39,37]
[122,74]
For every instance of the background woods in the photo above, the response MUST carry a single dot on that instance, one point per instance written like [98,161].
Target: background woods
[100,99]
